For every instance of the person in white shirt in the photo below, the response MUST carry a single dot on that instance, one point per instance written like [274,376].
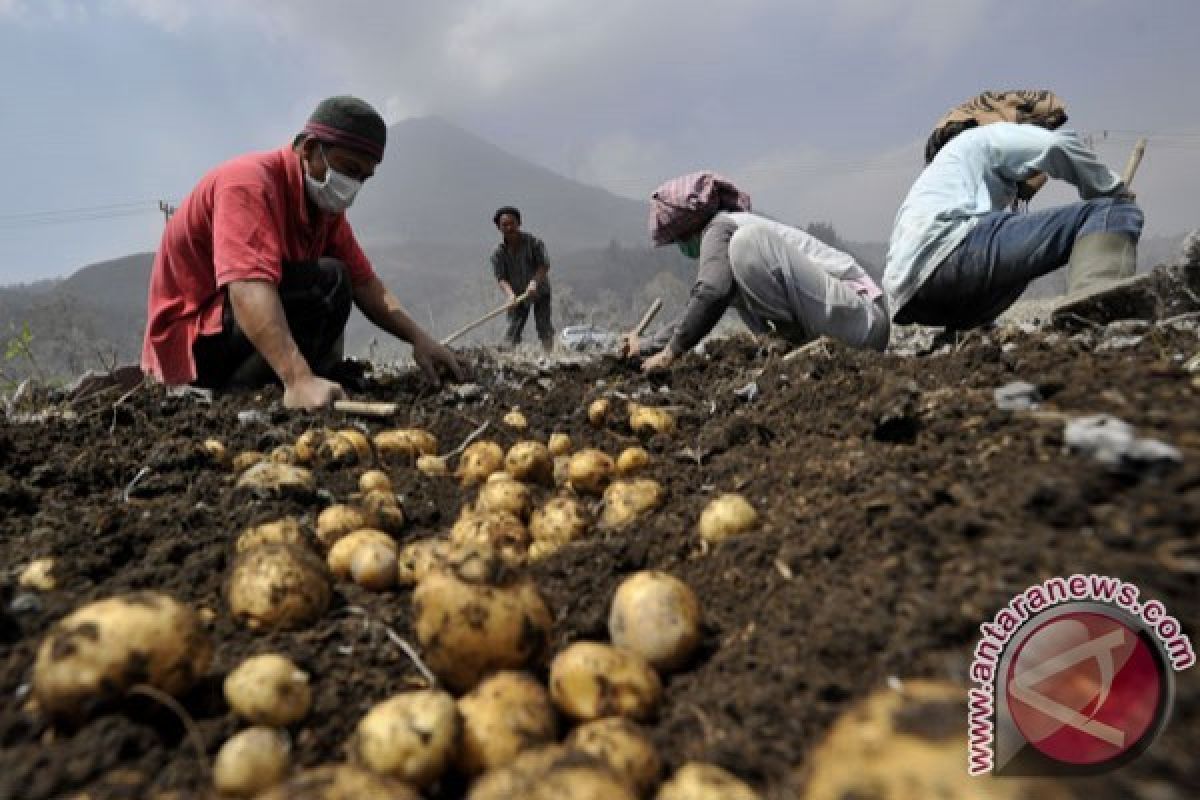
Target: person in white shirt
[770,272]
[958,258]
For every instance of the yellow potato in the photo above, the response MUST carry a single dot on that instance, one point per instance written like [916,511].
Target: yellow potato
[417,558]
[589,471]
[100,650]
[244,461]
[405,445]
[559,521]
[530,462]
[515,780]
[559,444]
[632,459]
[374,566]
[374,480]
[339,782]
[410,736]
[656,616]
[646,419]
[216,452]
[625,501]
[433,466]
[695,781]
[341,556]
[336,521]
[38,575]
[268,689]
[590,680]
[597,412]
[281,531]
[621,746]
[479,461]
[269,477]
[309,443]
[468,630]
[251,761]
[346,446]
[516,420]
[506,713]
[727,515]
[501,530]
[505,495]
[383,511]
[278,586]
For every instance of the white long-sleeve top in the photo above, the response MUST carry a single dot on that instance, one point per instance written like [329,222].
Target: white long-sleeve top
[977,173]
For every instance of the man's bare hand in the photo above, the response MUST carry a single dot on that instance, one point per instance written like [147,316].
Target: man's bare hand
[432,357]
[630,345]
[312,393]
[659,362]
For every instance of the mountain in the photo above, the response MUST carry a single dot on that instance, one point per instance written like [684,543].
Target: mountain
[439,183]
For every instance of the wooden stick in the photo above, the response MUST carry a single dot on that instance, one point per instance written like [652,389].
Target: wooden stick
[1135,160]
[366,409]
[655,307]
[490,315]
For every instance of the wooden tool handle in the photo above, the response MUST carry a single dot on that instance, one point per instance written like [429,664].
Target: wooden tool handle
[365,409]
[1135,160]
[490,315]
[655,307]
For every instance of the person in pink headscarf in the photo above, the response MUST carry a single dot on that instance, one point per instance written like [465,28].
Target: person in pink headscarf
[776,276]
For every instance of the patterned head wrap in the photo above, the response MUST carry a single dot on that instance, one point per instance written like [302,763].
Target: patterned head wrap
[684,205]
[1027,106]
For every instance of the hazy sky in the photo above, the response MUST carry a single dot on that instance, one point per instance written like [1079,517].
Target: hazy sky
[819,109]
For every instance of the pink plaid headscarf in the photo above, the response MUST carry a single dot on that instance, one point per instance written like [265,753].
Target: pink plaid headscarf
[684,205]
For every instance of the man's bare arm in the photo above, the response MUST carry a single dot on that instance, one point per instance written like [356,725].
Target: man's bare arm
[380,306]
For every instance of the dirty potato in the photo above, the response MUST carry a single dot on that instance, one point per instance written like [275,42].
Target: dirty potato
[589,471]
[410,736]
[308,443]
[623,747]
[283,454]
[515,779]
[505,495]
[38,575]
[336,521]
[656,616]
[725,516]
[433,466]
[625,501]
[559,444]
[469,630]
[632,459]
[251,761]
[516,420]
[345,447]
[590,680]
[530,462]
[339,782]
[383,511]
[278,586]
[417,558]
[559,521]
[374,566]
[506,713]
[574,781]
[244,461]
[479,461]
[501,530]
[374,480]
[405,445]
[271,478]
[598,411]
[341,556]
[100,650]
[695,781]
[216,452]
[280,531]
[268,689]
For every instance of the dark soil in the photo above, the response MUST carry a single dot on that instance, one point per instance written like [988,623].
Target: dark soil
[900,509]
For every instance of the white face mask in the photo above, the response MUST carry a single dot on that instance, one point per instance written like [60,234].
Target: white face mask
[336,192]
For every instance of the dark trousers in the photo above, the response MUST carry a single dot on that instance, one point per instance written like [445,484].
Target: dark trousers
[518,316]
[1003,253]
[316,298]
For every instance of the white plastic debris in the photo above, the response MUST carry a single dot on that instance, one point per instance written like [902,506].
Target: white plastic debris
[1017,396]
[1112,442]
[749,392]
[252,418]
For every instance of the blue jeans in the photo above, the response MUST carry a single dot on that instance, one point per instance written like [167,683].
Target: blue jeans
[1003,253]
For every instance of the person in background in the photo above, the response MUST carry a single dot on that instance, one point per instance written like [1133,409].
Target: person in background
[772,274]
[959,256]
[258,268]
[520,267]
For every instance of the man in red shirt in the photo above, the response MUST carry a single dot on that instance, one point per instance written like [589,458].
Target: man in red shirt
[258,268]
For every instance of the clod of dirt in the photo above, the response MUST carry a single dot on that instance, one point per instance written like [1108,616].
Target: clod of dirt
[895,414]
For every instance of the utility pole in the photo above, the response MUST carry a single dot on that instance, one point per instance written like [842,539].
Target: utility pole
[167,209]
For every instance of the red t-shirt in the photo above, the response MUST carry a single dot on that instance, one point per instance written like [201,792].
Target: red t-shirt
[243,221]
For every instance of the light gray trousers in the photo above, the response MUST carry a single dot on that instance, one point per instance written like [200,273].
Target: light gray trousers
[781,284]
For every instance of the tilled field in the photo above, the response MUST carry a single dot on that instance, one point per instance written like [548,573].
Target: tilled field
[899,509]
